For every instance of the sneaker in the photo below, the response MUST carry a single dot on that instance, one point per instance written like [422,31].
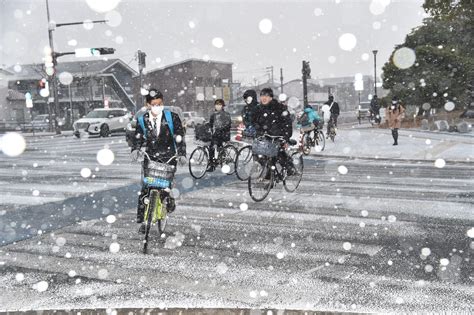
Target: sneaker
[211,168]
[170,204]
[142,228]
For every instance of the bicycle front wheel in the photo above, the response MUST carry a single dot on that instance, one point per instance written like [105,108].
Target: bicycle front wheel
[321,141]
[291,182]
[243,162]
[149,214]
[198,162]
[261,179]
[228,156]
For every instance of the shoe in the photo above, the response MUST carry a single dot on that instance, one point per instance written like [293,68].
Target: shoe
[170,204]
[142,228]
[211,168]
[396,143]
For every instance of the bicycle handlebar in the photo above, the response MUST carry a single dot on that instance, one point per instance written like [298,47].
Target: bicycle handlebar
[171,159]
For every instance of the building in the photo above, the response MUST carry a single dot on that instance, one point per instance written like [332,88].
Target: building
[83,86]
[192,85]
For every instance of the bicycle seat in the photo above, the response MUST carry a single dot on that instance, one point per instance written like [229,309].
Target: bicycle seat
[292,142]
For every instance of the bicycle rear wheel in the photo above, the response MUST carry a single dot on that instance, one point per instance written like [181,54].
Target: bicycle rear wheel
[291,182]
[261,179]
[320,141]
[162,217]
[198,162]
[243,163]
[227,156]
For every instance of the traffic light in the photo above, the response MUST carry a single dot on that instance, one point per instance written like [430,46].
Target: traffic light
[141,60]
[102,51]
[306,69]
[49,61]
[89,52]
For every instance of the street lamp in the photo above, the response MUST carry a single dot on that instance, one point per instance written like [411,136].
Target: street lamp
[375,71]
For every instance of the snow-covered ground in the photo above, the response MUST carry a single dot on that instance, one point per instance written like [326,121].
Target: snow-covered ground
[387,232]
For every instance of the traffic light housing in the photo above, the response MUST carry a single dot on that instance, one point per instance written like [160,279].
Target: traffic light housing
[306,69]
[141,60]
[102,51]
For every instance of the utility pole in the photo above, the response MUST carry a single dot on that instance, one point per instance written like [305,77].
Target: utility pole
[53,74]
[141,65]
[271,78]
[306,70]
[281,80]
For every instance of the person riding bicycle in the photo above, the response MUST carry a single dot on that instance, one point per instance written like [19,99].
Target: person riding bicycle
[220,123]
[309,117]
[272,118]
[250,98]
[162,133]
[334,112]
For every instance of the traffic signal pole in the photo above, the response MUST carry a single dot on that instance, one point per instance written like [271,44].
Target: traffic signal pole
[306,71]
[53,75]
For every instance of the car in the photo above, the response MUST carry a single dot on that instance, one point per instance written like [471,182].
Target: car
[102,122]
[132,125]
[235,111]
[362,111]
[40,123]
[191,119]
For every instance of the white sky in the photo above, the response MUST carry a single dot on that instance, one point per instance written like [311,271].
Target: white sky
[301,30]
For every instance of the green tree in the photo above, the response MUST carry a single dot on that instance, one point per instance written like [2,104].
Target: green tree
[444,66]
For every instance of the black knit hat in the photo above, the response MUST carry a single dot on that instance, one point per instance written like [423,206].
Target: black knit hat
[153,94]
[266,91]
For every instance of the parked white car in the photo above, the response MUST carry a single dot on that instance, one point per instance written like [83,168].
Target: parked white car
[102,121]
[191,119]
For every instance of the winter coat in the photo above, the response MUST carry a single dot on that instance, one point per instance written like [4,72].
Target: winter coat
[249,109]
[334,108]
[394,116]
[273,119]
[160,148]
[220,122]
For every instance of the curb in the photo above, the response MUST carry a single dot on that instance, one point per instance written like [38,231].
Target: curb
[386,159]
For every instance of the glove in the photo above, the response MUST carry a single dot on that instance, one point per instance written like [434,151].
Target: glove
[182,160]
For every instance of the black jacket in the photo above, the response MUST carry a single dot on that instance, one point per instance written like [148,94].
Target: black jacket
[334,108]
[160,147]
[249,109]
[273,119]
[220,123]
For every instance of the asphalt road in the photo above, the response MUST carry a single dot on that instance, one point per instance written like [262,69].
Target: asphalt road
[387,236]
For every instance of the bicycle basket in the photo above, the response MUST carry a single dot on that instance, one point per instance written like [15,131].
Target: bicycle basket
[202,132]
[308,128]
[158,174]
[265,148]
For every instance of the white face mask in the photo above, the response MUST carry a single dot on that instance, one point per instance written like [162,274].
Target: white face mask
[155,110]
[394,102]
[218,107]
[249,99]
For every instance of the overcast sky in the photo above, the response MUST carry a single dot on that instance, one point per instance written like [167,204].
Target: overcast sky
[171,31]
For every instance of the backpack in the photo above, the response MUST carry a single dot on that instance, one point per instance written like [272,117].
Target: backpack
[303,119]
[169,120]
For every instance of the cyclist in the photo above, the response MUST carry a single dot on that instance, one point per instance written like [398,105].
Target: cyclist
[220,123]
[334,112]
[250,98]
[309,116]
[162,133]
[375,109]
[272,118]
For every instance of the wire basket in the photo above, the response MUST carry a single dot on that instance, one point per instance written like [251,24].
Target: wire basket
[265,148]
[158,174]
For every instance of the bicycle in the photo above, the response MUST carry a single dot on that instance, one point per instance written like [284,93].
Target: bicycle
[312,137]
[199,161]
[157,178]
[331,133]
[266,172]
